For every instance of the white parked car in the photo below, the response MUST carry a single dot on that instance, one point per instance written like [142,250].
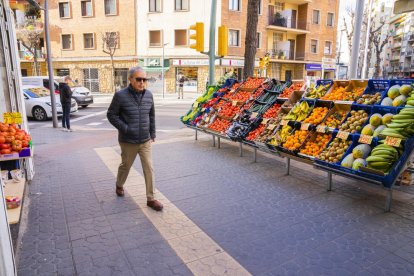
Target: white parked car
[39,105]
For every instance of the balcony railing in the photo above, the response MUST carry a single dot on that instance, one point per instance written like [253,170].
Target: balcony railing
[288,22]
[282,54]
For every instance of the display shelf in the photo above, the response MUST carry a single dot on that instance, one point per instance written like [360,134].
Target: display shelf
[15,188]
[26,152]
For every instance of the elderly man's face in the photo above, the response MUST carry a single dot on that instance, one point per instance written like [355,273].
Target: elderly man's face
[138,80]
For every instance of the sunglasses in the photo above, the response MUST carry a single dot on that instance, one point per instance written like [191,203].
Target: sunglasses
[141,79]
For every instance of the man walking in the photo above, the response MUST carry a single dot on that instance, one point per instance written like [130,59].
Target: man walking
[65,99]
[132,113]
[181,80]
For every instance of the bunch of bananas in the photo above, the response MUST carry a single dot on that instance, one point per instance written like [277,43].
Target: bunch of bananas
[318,92]
[299,112]
[410,100]
[383,157]
[402,124]
[280,136]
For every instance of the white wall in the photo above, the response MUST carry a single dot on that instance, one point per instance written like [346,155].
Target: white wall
[168,21]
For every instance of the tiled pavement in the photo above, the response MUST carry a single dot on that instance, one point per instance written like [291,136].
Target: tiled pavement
[268,223]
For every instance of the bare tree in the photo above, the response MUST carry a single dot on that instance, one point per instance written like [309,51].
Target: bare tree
[110,41]
[349,27]
[379,46]
[251,37]
[29,35]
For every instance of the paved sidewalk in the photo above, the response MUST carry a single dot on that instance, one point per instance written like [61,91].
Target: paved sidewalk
[224,214]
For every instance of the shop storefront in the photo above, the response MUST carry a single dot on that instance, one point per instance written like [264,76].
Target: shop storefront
[315,70]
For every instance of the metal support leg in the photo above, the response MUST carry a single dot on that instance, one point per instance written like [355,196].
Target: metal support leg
[241,150]
[329,188]
[388,200]
[218,142]
[214,140]
[287,165]
[196,135]
[255,155]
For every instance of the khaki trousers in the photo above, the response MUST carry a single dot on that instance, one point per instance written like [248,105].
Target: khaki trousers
[128,154]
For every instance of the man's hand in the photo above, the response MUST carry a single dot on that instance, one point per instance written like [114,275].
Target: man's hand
[153,140]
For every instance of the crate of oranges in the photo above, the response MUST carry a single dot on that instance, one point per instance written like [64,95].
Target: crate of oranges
[319,113]
[294,141]
[314,145]
[336,116]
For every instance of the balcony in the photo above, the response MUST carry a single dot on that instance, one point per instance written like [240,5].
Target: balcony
[298,2]
[286,22]
[282,54]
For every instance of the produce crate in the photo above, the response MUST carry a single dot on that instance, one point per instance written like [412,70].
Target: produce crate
[401,82]
[353,138]
[356,107]
[294,151]
[389,179]
[25,152]
[318,103]
[355,84]
[336,84]
[277,137]
[311,138]
[382,111]
[337,107]
[374,86]
[310,104]
[229,83]
[318,83]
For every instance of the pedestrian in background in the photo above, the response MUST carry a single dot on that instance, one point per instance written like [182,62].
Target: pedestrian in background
[181,80]
[65,99]
[132,113]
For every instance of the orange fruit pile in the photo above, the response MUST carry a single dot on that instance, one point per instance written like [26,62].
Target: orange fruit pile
[294,141]
[313,148]
[317,115]
[337,94]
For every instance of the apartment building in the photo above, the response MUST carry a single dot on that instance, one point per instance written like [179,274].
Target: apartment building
[300,33]
[77,31]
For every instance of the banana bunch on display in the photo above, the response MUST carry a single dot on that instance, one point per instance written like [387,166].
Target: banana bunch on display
[280,136]
[410,99]
[299,112]
[383,157]
[401,125]
[317,92]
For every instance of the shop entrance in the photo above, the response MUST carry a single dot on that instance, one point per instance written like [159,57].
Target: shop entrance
[91,79]
[191,75]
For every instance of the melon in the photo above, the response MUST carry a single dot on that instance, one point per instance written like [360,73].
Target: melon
[375,119]
[361,151]
[406,89]
[386,119]
[378,130]
[399,101]
[359,162]
[348,160]
[368,130]
[386,102]
[394,91]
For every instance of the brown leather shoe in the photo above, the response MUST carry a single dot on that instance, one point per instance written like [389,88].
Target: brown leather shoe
[155,204]
[119,191]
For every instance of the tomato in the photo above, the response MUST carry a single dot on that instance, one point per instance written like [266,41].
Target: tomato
[4,127]
[4,146]
[25,143]
[19,136]
[5,151]
[2,139]
[9,138]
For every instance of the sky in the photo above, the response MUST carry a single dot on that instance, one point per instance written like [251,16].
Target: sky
[342,12]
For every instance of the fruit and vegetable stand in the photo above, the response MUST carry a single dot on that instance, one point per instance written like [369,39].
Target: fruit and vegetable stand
[355,128]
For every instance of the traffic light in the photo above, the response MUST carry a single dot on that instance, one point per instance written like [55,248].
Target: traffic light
[198,36]
[222,41]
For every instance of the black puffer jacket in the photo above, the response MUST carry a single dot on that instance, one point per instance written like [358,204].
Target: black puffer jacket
[134,117]
[65,93]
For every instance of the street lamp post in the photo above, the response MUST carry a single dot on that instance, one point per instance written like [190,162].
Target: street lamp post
[49,58]
[339,54]
[162,70]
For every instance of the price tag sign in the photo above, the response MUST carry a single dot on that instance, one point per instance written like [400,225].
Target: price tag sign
[365,139]
[8,119]
[265,120]
[17,117]
[207,119]
[234,103]
[254,115]
[304,127]
[342,135]
[195,104]
[321,129]
[392,141]
[203,109]
[271,127]
[236,117]
[283,122]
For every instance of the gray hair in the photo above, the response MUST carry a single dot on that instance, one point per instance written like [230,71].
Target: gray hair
[67,78]
[132,71]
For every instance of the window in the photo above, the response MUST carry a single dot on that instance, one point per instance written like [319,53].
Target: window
[234,5]
[276,38]
[279,7]
[234,38]
[314,46]
[328,48]
[64,10]
[112,40]
[330,19]
[181,5]
[88,41]
[260,6]
[110,7]
[154,38]
[155,5]
[180,38]
[66,42]
[315,18]
[258,40]
[86,8]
